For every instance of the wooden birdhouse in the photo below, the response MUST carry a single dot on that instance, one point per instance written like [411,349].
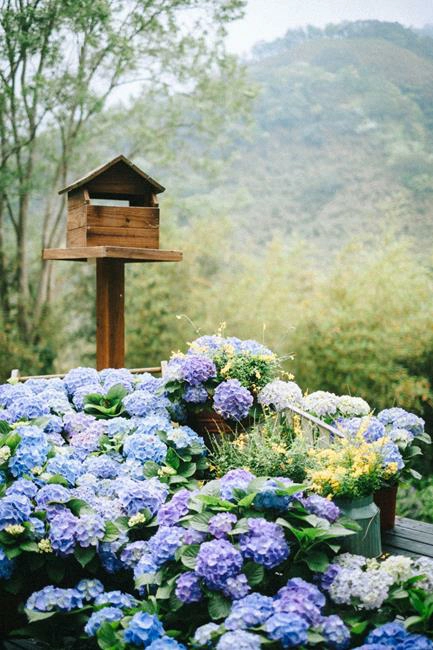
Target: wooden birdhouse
[112,217]
[114,205]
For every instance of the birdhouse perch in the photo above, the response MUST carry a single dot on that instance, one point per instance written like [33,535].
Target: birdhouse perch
[127,231]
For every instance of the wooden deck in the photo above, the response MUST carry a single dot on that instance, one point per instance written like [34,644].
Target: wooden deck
[409,537]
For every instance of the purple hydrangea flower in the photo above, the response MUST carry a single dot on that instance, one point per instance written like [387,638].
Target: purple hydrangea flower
[232,401]
[188,588]
[251,611]
[300,587]
[107,614]
[217,561]
[77,422]
[192,536]
[197,368]
[164,544]
[264,543]
[132,553]
[142,629]
[221,524]
[289,629]
[326,578]
[321,507]
[237,587]
[170,513]
[235,479]
[335,632]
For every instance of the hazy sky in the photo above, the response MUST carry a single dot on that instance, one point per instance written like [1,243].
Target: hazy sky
[269,19]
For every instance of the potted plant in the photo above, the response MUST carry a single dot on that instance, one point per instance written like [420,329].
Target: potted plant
[349,471]
[216,382]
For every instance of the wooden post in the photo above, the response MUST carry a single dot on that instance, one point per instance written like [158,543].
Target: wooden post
[110,313]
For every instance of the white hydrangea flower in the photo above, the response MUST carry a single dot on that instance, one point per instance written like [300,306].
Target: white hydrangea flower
[321,403]
[372,588]
[280,394]
[399,567]
[350,561]
[344,584]
[352,407]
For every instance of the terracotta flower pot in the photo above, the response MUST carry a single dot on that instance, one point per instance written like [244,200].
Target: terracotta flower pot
[386,501]
[211,426]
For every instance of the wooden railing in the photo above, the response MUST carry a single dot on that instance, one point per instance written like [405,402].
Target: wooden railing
[16,375]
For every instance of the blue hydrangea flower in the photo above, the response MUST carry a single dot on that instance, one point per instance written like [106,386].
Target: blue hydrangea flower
[371,427]
[235,479]
[389,416]
[182,437]
[142,403]
[145,448]
[90,588]
[78,377]
[51,599]
[101,466]
[164,544]
[217,561]
[116,599]
[197,368]
[119,427]
[289,629]
[390,634]
[232,401]
[335,632]
[391,454]
[170,513]
[107,614]
[142,629]
[28,408]
[304,589]
[22,486]
[132,553]
[203,634]
[195,394]
[11,392]
[188,588]
[56,401]
[321,507]
[63,530]
[117,377]
[326,578]
[135,496]
[221,524]
[81,393]
[192,536]
[166,643]
[251,611]
[6,566]
[38,527]
[52,493]
[268,499]
[264,543]
[208,344]
[90,529]
[152,424]
[14,509]
[146,381]
[77,422]
[66,466]
[240,640]
[411,422]
[145,566]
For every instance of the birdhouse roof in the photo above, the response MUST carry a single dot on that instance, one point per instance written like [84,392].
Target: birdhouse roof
[103,168]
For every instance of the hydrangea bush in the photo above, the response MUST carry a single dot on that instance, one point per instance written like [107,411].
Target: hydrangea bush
[113,536]
[222,374]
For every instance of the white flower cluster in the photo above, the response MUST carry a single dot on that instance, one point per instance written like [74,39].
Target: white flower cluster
[321,403]
[280,395]
[367,582]
[352,407]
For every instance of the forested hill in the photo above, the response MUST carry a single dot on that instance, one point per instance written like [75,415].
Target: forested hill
[343,134]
